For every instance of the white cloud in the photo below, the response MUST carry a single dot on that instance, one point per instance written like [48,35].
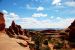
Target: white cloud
[31,22]
[58,18]
[56,2]
[52,17]
[39,15]
[4,11]
[40,8]
[64,23]
[13,16]
[30,7]
[9,17]
[70,3]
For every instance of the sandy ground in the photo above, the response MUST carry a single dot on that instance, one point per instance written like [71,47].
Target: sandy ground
[7,43]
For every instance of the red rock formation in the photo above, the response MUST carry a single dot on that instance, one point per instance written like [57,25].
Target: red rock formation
[72,30]
[13,24]
[72,25]
[7,43]
[15,29]
[72,34]
[2,22]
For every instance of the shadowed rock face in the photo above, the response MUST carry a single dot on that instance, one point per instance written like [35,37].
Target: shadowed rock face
[14,29]
[72,31]
[2,22]
[72,25]
[72,34]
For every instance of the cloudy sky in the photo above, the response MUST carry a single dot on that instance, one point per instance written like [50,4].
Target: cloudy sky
[39,13]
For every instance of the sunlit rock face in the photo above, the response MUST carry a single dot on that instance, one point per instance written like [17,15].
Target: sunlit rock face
[2,22]
[72,34]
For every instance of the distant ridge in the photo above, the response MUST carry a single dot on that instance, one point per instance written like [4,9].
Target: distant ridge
[40,29]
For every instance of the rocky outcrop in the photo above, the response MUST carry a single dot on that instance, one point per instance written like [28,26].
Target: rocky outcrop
[7,43]
[72,34]
[72,25]
[2,22]
[14,29]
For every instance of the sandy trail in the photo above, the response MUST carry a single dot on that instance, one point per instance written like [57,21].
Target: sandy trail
[7,43]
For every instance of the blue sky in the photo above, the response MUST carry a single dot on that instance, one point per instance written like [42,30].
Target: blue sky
[39,13]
